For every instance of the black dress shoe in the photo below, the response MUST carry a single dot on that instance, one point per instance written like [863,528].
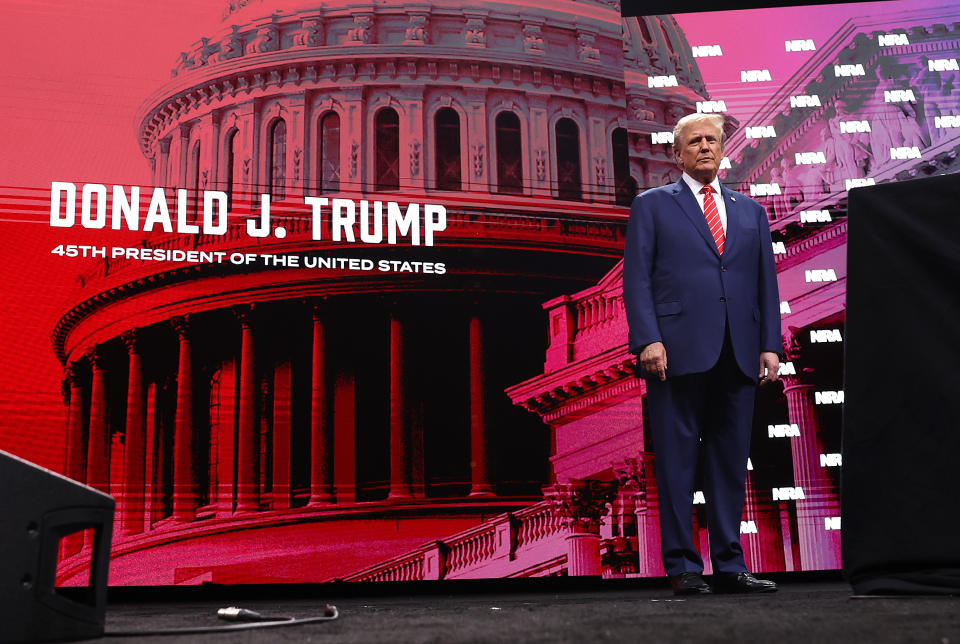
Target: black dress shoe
[741,582]
[689,583]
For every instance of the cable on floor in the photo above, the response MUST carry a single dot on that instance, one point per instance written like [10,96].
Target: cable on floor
[248,619]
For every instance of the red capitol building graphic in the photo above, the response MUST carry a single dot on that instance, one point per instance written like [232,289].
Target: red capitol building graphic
[265,423]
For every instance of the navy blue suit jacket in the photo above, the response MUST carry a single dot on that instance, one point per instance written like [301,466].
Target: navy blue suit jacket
[678,290]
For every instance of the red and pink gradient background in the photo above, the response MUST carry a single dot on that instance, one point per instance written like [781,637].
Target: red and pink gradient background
[73,76]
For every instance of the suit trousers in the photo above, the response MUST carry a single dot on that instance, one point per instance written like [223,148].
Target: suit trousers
[708,416]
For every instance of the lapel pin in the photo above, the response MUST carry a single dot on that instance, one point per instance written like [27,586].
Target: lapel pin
[733,198]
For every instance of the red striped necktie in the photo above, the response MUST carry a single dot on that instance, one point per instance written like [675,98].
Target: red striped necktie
[712,214]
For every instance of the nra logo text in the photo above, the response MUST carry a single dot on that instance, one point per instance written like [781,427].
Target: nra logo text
[764,189]
[703,51]
[889,40]
[724,164]
[799,45]
[831,460]
[943,65]
[711,107]
[854,127]
[848,70]
[783,431]
[748,527]
[898,96]
[859,183]
[820,275]
[810,158]
[825,335]
[905,153]
[698,498]
[805,100]
[785,308]
[949,120]
[662,81]
[779,248]
[755,75]
[787,369]
[828,397]
[815,216]
[831,523]
[760,132]
[661,137]
[788,493]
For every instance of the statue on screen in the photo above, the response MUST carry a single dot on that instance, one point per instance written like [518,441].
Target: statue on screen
[819,178]
[776,202]
[941,102]
[881,139]
[792,194]
[910,131]
[843,148]
[926,85]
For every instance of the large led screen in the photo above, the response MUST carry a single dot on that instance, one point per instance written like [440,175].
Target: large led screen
[332,290]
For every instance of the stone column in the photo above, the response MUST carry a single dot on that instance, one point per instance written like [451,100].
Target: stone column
[352,140]
[479,436]
[296,144]
[321,434]
[282,387]
[185,493]
[345,433]
[630,497]
[73,465]
[411,137]
[265,436]
[184,154]
[787,537]
[751,541]
[539,159]
[153,466]
[582,503]
[819,549]
[97,445]
[400,479]
[476,159]
[213,144]
[163,162]
[73,461]
[648,522]
[247,444]
[115,474]
[645,551]
[598,166]
[245,150]
[223,427]
[134,465]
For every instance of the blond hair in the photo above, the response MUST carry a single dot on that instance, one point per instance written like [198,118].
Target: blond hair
[716,120]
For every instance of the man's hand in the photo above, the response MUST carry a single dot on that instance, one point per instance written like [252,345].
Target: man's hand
[653,359]
[769,367]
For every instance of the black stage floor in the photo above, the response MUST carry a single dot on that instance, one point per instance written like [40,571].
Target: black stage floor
[804,610]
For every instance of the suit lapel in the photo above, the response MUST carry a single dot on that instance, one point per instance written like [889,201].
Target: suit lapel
[688,204]
[733,220]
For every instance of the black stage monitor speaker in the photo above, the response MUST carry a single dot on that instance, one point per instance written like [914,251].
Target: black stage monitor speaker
[901,417]
[37,509]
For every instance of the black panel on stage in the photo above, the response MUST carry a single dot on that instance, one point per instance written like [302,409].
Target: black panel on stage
[901,426]
[37,508]
[662,7]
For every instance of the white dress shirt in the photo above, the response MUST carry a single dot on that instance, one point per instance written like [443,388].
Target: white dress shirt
[696,187]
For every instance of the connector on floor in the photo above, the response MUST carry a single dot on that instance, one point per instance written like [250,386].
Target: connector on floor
[234,614]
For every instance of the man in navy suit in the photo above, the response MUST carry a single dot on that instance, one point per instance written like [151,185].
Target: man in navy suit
[700,289]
